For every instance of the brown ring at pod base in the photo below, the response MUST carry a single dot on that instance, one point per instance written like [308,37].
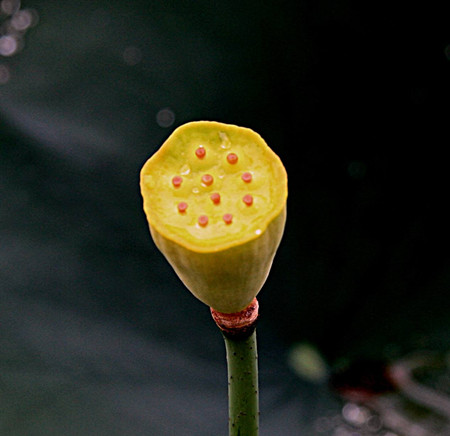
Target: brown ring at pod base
[238,325]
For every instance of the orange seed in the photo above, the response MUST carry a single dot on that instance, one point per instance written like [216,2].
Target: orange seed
[176,181]
[247,177]
[200,152]
[232,158]
[203,220]
[247,199]
[182,206]
[228,218]
[207,179]
[215,197]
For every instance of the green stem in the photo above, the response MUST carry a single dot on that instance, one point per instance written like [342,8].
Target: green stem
[242,361]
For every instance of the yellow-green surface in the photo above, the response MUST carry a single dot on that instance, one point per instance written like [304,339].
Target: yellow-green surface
[177,158]
[223,263]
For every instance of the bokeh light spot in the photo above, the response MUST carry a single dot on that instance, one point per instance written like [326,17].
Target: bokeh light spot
[132,55]
[9,7]
[357,170]
[447,52]
[4,75]
[165,117]
[8,45]
[22,20]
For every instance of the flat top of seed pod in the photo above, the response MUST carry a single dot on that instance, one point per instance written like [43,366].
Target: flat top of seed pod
[212,186]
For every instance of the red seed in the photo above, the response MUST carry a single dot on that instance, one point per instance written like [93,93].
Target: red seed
[228,218]
[176,181]
[182,206]
[215,197]
[200,152]
[232,158]
[207,179]
[203,220]
[247,199]
[247,177]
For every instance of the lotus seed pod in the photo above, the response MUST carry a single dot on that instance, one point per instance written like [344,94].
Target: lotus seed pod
[215,200]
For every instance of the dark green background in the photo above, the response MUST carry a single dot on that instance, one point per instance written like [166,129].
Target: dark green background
[97,335]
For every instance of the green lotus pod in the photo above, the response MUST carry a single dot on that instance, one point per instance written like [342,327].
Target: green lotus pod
[215,200]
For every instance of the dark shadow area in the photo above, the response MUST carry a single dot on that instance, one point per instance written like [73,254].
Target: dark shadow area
[97,334]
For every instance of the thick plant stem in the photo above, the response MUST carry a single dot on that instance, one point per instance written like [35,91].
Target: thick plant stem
[242,362]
